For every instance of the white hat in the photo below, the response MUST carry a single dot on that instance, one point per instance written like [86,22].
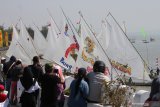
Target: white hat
[3,58]
[19,60]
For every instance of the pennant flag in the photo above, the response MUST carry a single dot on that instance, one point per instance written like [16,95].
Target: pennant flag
[6,39]
[123,56]
[1,39]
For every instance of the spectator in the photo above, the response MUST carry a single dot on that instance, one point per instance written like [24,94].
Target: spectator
[29,87]
[7,69]
[130,81]
[154,98]
[78,90]
[95,81]
[15,75]
[60,86]
[36,69]
[49,84]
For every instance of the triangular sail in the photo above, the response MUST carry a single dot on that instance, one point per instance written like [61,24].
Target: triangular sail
[16,49]
[39,41]
[51,43]
[26,41]
[103,36]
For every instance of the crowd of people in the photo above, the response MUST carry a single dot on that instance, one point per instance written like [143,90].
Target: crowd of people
[33,86]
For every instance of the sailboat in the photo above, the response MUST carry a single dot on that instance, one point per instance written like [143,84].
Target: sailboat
[26,41]
[60,45]
[22,45]
[90,50]
[17,49]
[123,56]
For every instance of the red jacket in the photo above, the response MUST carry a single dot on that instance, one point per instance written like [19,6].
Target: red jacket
[3,97]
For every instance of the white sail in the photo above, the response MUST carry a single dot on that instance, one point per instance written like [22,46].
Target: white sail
[90,50]
[124,58]
[104,35]
[26,41]
[51,45]
[39,41]
[59,46]
[16,49]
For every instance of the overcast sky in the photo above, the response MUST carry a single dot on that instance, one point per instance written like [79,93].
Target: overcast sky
[137,14]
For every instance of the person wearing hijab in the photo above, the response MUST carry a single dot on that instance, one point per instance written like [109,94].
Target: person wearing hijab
[78,90]
[29,87]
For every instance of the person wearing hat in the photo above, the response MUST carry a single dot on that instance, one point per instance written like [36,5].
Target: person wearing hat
[3,96]
[49,84]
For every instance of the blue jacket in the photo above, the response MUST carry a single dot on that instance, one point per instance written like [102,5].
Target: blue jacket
[79,100]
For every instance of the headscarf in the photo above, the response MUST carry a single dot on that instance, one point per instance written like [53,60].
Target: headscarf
[27,78]
[81,74]
[13,58]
